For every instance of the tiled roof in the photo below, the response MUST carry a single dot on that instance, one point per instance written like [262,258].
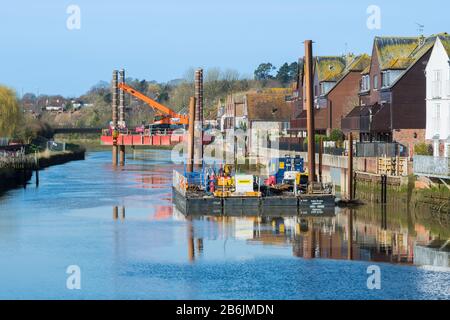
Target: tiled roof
[395,52]
[424,45]
[359,63]
[330,68]
[271,107]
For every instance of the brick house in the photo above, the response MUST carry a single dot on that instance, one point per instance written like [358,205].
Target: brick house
[392,104]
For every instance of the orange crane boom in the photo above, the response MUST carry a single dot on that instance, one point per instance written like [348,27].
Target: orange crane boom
[172,116]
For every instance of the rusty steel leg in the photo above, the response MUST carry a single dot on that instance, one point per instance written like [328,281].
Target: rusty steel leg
[122,155]
[309,95]
[114,155]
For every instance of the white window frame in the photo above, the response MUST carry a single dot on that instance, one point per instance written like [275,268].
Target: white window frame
[437,84]
[436,118]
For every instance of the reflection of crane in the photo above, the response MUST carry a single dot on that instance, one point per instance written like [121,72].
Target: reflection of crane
[167,115]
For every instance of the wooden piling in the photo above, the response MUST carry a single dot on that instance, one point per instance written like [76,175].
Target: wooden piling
[350,235]
[36,164]
[350,168]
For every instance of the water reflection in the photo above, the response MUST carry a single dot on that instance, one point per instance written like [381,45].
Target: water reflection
[365,234]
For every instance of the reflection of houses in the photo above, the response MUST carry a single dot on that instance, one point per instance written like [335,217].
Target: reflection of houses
[336,86]
[392,92]
[438,96]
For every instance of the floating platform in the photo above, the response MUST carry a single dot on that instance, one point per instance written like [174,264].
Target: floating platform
[309,205]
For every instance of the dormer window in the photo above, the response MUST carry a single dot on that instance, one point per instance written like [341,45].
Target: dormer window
[365,83]
[385,79]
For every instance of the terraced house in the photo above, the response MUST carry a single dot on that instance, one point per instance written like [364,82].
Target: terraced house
[392,92]
[336,87]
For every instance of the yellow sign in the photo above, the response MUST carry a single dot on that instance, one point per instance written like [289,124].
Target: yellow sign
[281,165]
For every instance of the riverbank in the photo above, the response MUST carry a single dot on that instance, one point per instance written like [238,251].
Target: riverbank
[15,177]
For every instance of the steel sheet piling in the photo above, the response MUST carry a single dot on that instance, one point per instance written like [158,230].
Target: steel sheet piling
[190,158]
[309,95]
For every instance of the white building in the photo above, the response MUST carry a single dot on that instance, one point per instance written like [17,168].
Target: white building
[438,97]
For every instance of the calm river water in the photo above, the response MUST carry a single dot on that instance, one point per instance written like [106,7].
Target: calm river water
[146,249]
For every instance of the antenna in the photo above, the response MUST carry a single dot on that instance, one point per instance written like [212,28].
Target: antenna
[420,27]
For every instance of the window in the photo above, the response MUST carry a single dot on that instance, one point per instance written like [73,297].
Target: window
[436,118]
[448,83]
[375,81]
[437,77]
[365,83]
[385,79]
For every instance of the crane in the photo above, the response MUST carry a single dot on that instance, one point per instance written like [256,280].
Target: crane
[168,115]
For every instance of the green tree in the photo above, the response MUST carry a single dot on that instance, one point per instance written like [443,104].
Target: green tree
[283,74]
[336,135]
[423,149]
[293,71]
[11,114]
[264,71]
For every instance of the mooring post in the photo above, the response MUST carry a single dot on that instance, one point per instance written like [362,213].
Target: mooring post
[191,247]
[115,212]
[320,158]
[350,168]
[309,95]
[350,235]
[191,135]
[36,165]
[123,213]
[383,189]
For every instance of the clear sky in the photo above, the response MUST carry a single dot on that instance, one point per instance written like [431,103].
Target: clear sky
[160,39]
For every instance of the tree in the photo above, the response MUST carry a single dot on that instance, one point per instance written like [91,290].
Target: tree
[10,113]
[287,73]
[293,71]
[423,149]
[264,71]
[283,74]
[336,135]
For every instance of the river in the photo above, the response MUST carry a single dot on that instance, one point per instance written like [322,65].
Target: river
[118,226]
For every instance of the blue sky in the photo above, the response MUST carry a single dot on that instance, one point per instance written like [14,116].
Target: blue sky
[161,39]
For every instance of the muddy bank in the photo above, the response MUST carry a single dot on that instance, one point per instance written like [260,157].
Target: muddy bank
[12,178]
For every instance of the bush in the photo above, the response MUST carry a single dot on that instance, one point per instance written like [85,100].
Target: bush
[336,135]
[423,149]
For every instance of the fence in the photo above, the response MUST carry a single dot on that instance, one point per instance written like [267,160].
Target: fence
[380,149]
[432,166]
[16,160]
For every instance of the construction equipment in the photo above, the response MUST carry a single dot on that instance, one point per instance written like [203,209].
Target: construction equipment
[165,116]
